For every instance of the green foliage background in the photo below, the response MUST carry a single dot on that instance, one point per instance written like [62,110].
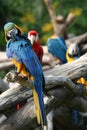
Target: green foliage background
[34,15]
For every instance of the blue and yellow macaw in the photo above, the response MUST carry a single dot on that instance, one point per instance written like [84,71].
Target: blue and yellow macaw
[57,47]
[27,63]
[73,53]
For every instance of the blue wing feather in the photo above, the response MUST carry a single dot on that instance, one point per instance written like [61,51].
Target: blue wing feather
[22,51]
[57,47]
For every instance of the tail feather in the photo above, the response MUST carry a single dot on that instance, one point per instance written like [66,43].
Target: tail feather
[40,112]
[37,106]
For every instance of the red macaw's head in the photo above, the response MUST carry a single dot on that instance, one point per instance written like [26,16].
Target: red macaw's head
[33,36]
[9,28]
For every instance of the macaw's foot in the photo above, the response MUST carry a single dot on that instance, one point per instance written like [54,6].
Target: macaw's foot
[12,76]
[31,78]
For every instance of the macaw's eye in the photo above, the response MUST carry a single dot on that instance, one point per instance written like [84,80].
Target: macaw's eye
[13,30]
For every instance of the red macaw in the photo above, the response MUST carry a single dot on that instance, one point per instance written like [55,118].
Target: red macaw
[35,41]
[19,50]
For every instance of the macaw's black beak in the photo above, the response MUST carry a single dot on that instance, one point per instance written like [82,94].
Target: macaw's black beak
[13,36]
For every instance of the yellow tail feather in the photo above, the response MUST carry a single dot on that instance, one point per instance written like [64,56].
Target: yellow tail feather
[36,101]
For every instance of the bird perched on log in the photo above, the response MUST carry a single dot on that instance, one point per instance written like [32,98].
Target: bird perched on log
[57,47]
[16,31]
[73,53]
[19,50]
[35,41]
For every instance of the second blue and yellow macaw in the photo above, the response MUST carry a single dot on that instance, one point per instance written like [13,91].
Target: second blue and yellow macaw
[57,47]
[73,53]
[27,63]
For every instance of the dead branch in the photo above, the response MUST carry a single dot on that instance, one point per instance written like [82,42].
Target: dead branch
[9,101]
[6,65]
[4,62]
[81,39]
[19,95]
[63,88]
[23,118]
[3,86]
[73,70]
[59,24]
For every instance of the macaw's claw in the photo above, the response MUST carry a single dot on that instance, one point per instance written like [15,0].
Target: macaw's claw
[11,76]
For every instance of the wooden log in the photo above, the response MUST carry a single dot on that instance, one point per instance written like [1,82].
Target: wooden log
[81,39]
[60,24]
[5,62]
[3,57]
[19,95]
[50,82]
[23,118]
[6,65]
[17,121]
[72,70]
[9,101]
[60,94]
[2,118]
[3,86]
[77,69]
[61,98]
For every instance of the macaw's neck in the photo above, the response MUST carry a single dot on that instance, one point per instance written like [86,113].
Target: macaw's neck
[37,44]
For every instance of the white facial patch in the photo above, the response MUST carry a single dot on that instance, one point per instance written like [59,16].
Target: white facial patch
[13,30]
[73,49]
[32,38]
